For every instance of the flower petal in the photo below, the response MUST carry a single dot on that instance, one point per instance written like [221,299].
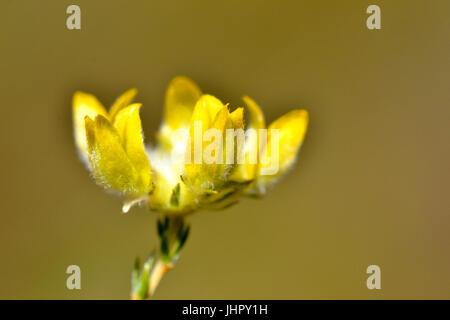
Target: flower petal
[237,118]
[246,171]
[234,151]
[181,97]
[256,116]
[128,124]
[291,129]
[210,113]
[84,104]
[205,111]
[122,101]
[111,166]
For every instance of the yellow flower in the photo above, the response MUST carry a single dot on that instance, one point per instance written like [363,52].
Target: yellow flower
[205,156]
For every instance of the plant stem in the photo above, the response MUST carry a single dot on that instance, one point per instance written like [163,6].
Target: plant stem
[159,270]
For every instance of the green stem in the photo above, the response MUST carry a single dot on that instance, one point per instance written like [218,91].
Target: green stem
[158,273]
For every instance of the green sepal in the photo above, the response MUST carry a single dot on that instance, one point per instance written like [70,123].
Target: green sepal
[165,257]
[175,198]
[140,280]
[182,236]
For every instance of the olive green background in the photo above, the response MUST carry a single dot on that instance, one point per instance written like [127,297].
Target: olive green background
[371,185]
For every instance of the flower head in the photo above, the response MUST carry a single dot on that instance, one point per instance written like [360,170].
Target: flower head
[205,155]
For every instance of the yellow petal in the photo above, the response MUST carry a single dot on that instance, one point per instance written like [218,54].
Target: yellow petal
[210,113]
[246,171]
[256,116]
[128,124]
[291,130]
[181,97]
[110,164]
[221,119]
[84,104]
[122,101]
[217,171]
[237,118]
[236,148]
[205,111]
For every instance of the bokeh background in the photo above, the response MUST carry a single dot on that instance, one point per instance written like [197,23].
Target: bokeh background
[371,185]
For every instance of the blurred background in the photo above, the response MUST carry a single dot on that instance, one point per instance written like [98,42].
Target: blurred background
[371,185]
